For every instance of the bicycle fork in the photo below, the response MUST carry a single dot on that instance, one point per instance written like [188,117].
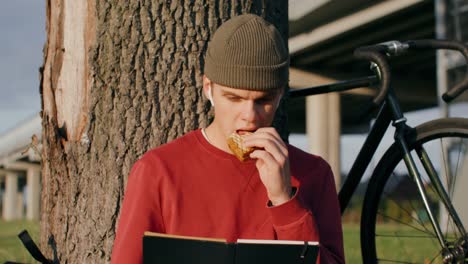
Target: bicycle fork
[450,254]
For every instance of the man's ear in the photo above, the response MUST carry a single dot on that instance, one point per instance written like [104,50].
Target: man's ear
[207,89]
[206,86]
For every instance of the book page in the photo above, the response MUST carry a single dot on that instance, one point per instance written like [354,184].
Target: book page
[221,240]
[275,242]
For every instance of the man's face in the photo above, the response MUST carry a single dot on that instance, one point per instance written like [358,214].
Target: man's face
[241,111]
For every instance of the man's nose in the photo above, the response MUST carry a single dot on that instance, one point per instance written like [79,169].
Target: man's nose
[250,112]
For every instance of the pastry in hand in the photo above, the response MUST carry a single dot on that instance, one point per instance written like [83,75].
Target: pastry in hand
[235,143]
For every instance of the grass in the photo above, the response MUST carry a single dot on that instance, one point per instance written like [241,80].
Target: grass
[11,248]
[408,244]
[394,243]
[352,244]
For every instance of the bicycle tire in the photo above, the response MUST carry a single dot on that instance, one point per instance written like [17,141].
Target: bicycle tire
[383,217]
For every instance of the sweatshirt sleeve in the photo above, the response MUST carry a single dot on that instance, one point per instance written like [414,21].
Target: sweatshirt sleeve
[292,221]
[140,212]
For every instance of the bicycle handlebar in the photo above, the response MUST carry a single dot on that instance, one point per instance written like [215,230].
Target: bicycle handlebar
[444,44]
[375,53]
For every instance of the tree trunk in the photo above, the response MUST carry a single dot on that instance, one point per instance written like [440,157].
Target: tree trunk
[119,77]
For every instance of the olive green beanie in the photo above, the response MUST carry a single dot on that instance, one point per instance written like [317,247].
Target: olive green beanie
[247,52]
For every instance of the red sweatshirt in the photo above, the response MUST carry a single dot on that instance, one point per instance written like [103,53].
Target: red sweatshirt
[189,187]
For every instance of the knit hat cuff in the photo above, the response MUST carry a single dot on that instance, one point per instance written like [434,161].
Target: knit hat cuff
[259,78]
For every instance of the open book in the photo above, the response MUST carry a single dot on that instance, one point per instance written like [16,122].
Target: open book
[167,249]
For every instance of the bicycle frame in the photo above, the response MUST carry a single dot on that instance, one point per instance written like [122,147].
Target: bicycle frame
[399,122]
[373,139]
[364,157]
[389,113]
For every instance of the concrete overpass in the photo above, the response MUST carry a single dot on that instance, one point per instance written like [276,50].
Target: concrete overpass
[20,171]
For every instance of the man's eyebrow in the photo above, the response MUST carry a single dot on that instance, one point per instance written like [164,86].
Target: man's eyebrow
[229,93]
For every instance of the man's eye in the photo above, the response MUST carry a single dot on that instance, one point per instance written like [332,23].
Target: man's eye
[234,99]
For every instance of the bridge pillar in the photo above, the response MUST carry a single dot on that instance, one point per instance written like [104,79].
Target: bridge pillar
[323,126]
[323,119]
[33,193]
[10,199]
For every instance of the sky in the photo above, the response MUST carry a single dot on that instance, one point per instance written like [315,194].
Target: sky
[23,34]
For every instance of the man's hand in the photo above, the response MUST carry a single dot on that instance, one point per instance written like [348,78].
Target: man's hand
[272,162]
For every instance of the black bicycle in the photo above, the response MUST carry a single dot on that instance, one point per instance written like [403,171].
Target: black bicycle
[414,198]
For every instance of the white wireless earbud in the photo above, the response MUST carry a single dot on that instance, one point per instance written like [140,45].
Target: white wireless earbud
[210,95]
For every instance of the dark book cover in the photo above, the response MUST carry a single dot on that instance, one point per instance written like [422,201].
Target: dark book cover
[170,249]
[275,251]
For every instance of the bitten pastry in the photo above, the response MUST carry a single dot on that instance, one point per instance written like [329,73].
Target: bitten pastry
[235,143]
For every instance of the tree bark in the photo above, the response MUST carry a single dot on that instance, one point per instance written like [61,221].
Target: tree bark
[119,77]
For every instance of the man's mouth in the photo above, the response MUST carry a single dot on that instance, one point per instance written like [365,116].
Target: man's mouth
[245,131]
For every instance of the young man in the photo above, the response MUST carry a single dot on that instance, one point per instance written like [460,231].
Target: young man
[195,186]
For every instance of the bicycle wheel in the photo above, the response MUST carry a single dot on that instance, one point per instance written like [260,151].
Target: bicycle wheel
[395,227]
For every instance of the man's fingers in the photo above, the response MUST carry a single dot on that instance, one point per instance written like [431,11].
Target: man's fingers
[266,133]
[265,156]
[271,145]
[269,131]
